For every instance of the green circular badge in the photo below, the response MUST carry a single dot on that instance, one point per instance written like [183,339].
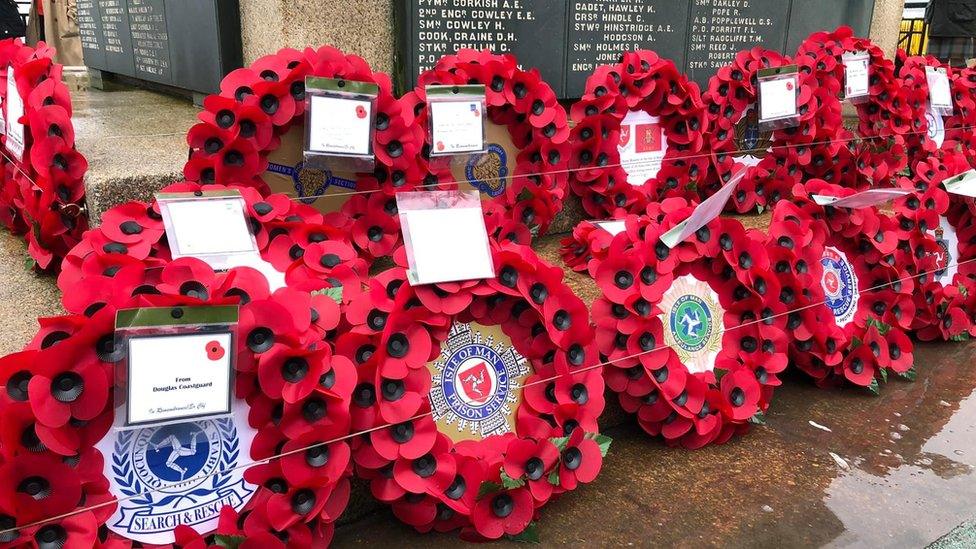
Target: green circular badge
[691,323]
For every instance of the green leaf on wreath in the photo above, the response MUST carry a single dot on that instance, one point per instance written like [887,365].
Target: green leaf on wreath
[524,195]
[960,337]
[487,488]
[529,535]
[603,441]
[554,477]
[509,482]
[884,374]
[228,542]
[855,343]
[874,387]
[760,208]
[693,186]
[534,231]
[560,442]
[29,264]
[334,293]
[758,419]
[910,375]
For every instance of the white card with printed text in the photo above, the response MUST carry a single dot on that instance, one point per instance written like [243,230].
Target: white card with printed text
[340,125]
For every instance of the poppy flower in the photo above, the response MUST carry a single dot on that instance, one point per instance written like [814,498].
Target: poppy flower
[63,387]
[432,473]
[38,486]
[409,439]
[258,526]
[507,512]
[579,461]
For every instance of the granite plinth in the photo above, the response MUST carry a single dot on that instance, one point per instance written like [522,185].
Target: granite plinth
[363,28]
[135,143]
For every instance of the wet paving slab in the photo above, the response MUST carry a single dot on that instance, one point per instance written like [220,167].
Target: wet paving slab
[24,295]
[903,475]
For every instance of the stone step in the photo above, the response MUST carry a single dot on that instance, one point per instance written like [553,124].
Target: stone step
[135,143]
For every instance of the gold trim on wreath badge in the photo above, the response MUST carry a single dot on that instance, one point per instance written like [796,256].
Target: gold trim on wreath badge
[693,323]
[476,383]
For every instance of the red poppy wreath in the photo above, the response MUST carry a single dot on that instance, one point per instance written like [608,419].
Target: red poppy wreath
[960,128]
[945,302]
[694,334]
[296,389]
[524,172]
[639,136]
[775,159]
[929,130]
[250,135]
[479,397]
[60,455]
[875,154]
[589,243]
[42,194]
[846,282]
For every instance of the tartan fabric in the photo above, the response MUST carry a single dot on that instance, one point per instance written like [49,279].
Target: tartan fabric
[954,50]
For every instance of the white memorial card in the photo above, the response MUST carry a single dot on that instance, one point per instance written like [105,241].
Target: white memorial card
[708,210]
[864,199]
[642,146]
[340,125]
[940,97]
[963,184]
[445,236]
[777,98]
[182,376]
[935,126]
[211,227]
[15,110]
[457,127]
[613,227]
[856,69]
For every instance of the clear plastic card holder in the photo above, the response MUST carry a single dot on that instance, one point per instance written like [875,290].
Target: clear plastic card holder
[940,94]
[177,364]
[857,77]
[778,92]
[211,226]
[963,184]
[456,123]
[612,226]
[340,123]
[15,142]
[445,236]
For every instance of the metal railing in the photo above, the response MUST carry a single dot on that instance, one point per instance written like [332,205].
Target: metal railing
[913,34]
[23,7]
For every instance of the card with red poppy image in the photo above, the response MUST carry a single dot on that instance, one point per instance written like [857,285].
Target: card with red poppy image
[456,122]
[177,365]
[339,117]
